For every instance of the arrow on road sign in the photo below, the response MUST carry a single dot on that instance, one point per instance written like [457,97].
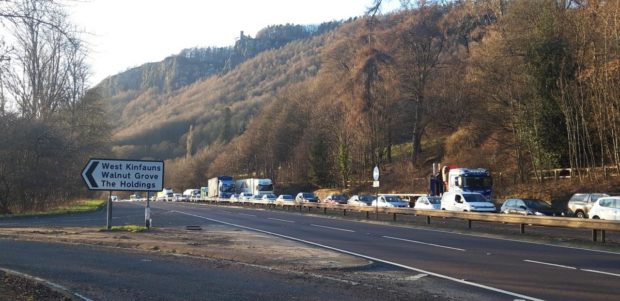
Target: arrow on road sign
[88,176]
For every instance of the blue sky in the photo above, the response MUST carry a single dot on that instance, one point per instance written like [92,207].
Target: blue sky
[126,33]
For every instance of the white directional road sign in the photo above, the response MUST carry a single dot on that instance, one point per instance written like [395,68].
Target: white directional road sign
[124,175]
[375,173]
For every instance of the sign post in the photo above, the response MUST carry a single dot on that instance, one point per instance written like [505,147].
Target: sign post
[375,183]
[124,175]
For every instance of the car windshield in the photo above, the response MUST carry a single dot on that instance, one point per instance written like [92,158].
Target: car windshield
[475,198]
[366,199]
[228,188]
[286,197]
[434,200]
[392,199]
[270,196]
[309,195]
[536,204]
[338,198]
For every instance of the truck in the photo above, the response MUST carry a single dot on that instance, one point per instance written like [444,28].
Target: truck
[221,187]
[456,179]
[165,195]
[254,186]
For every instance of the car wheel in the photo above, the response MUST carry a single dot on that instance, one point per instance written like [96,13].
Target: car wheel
[596,217]
[580,214]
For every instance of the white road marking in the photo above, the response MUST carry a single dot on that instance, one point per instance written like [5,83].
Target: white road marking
[52,284]
[424,243]
[280,220]
[474,284]
[333,228]
[551,264]
[601,272]
[247,214]
[416,277]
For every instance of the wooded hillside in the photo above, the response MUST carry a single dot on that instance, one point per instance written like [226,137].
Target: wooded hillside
[513,86]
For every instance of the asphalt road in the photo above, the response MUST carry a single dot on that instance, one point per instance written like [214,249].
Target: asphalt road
[498,269]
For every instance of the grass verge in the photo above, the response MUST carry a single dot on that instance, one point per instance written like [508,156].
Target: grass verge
[127,228]
[78,207]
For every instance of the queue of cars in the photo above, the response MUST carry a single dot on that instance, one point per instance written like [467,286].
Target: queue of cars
[581,205]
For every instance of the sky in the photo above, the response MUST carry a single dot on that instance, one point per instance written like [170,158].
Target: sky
[122,34]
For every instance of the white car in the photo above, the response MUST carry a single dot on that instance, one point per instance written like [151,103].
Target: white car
[269,198]
[244,197]
[466,201]
[390,201]
[428,202]
[285,199]
[607,208]
[361,200]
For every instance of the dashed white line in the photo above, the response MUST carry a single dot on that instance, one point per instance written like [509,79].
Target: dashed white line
[280,220]
[424,243]
[247,214]
[333,228]
[474,284]
[551,264]
[601,272]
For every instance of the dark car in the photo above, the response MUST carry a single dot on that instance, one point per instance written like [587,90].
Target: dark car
[335,199]
[529,207]
[306,197]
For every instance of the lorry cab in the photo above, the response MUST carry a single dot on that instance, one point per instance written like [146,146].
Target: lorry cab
[466,201]
[470,180]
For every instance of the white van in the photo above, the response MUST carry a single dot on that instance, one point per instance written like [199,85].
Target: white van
[466,201]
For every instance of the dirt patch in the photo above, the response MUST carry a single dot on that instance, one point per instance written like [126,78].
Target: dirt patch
[18,288]
[213,241]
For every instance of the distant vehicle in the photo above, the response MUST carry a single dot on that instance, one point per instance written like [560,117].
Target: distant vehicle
[408,197]
[361,200]
[428,202]
[204,192]
[306,197]
[529,207]
[234,198]
[580,203]
[114,198]
[221,187]
[269,198]
[607,208]
[254,186]
[178,197]
[257,199]
[191,193]
[285,199]
[463,180]
[135,197]
[165,195]
[244,197]
[390,201]
[336,199]
[466,201]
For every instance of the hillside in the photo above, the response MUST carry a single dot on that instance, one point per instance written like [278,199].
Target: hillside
[472,84]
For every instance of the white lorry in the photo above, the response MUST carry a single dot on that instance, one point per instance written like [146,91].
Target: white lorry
[468,180]
[254,186]
[221,187]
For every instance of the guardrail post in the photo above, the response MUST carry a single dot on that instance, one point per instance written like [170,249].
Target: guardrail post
[594,234]
[522,228]
[428,219]
[602,235]
[367,214]
[324,210]
[469,224]
[344,211]
[394,217]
